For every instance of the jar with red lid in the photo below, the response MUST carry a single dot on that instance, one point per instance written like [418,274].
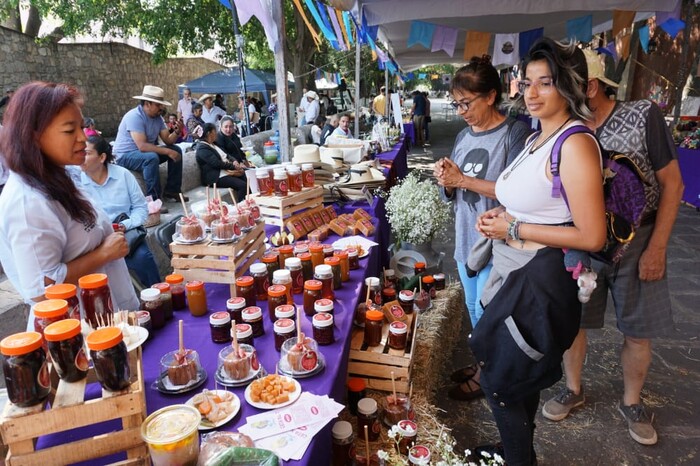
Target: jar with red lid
[374,322]
[110,358]
[407,435]
[235,308]
[67,292]
[177,289]
[317,257]
[245,289]
[253,316]
[308,177]
[66,347]
[150,301]
[344,264]
[375,291]
[368,416]
[265,185]
[312,293]
[25,369]
[196,298]
[166,298]
[281,182]
[96,299]
[284,277]
[285,251]
[390,279]
[244,334]
[439,281]
[261,280]
[323,328]
[328,250]
[323,306]
[334,262]
[276,296]
[429,285]
[294,176]
[418,455]
[324,274]
[284,330]
[388,294]
[398,335]
[356,391]
[418,268]
[272,263]
[307,266]
[220,327]
[46,313]
[293,264]
[353,258]
[285,311]
[406,298]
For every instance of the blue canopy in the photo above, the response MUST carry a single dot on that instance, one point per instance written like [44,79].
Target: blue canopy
[228,81]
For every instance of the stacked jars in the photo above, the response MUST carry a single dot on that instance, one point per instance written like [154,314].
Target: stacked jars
[46,313]
[246,290]
[67,350]
[67,292]
[265,185]
[324,274]
[312,293]
[235,308]
[96,299]
[25,370]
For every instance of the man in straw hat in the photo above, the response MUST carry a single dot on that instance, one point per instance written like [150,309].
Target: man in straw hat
[211,113]
[136,146]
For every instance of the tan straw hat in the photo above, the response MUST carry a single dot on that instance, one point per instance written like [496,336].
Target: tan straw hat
[596,68]
[153,94]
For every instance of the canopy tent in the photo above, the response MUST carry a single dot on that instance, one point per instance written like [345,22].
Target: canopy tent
[229,82]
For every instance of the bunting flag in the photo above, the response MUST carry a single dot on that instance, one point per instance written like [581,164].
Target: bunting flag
[318,74]
[314,34]
[336,27]
[445,39]
[663,16]
[333,38]
[421,33]
[644,38]
[580,29]
[247,9]
[410,75]
[434,77]
[622,32]
[672,26]
[339,16]
[505,50]
[476,44]
[346,22]
[422,75]
[381,55]
[327,33]
[528,38]
[381,65]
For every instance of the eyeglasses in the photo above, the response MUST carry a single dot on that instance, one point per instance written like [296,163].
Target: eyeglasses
[464,106]
[544,86]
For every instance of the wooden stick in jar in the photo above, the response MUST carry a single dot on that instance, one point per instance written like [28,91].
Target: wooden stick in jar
[410,392]
[206,190]
[233,197]
[181,347]
[300,336]
[367,445]
[184,206]
[234,336]
[367,297]
[393,387]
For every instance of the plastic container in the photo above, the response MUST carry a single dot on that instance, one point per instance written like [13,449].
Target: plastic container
[406,298]
[25,369]
[323,306]
[177,289]
[356,391]
[180,369]
[196,298]
[281,182]
[307,266]
[419,455]
[283,277]
[67,349]
[172,435]
[191,230]
[67,292]
[151,302]
[238,368]
[353,258]
[96,299]
[244,333]
[110,358]
[344,265]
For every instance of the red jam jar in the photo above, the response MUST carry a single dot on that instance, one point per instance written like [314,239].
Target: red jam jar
[261,281]
[110,358]
[46,313]
[374,322]
[253,316]
[407,434]
[276,296]
[375,292]
[368,416]
[398,335]
[281,182]
[429,285]
[390,279]
[265,185]
[66,346]
[312,293]
[334,262]
[323,306]
[293,264]
[406,298]
[220,327]
[166,298]
[246,290]
[284,277]
[150,301]
[177,289]
[323,328]
[67,292]
[235,308]
[439,281]
[307,266]
[284,330]
[353,258]
[388,294]
[25,369]
[285,252]
[295,179]
[418,268]
[272,264]
[244,334]
[307,175]
[324,274]
[96,299]
[328,251]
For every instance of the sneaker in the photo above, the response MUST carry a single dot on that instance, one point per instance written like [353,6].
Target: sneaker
[639,423]
[559,407]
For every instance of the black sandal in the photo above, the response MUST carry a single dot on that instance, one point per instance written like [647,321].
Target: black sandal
[473,391]
[464,374]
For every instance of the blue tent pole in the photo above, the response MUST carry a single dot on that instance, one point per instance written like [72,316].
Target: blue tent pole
[241,65]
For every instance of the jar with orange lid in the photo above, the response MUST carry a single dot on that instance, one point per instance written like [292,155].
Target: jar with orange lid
[418,268]
[196,298]
[245,289]
[317,257]
[24,366]
[69,293]
[177,290]
[324,274]
[285,251]
[272,263]
[166,298]
[312,293]
[67,349]
[260,280]
[388,294]
[334,262]
[293,264]
[235,308]
[47,312]
[284,277]
[96,299]
[307,265]
[429,285]
[344,265]
[353,258]
[110,358]
[327,250]
[374,321]
[276,296]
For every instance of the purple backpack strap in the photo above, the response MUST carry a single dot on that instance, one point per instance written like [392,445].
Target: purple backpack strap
[557,188]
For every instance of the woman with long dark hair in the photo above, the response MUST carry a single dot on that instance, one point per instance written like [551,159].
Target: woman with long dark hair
[49,231]
[219,167]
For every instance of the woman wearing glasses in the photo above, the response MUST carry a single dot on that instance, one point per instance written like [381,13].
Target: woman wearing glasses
[481,152]
[532,310]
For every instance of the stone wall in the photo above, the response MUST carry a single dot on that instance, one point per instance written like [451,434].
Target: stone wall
[108,74]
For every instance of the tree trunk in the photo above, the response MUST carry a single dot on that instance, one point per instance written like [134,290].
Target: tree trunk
[33,22]
[13,20]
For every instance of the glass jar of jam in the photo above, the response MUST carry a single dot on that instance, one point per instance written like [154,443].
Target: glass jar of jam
[429,285]
[418,268]
[323,328]
[246,290]
[375,291]
[317,257]
[143,320]
[284,277]
[46,313]
[418,455]
[407,435]
[398,334]
[367,415]
[359,317]
[356,391]
[235,308]
[328,250]
[285,252]
[312,293]
[244,334]
[324,274]
[342,444]
[439,281]
[300,248]
[406,298]
[390,279]
[293,264]
[24,367]
[285,311]
[281,182]
[284,330]
[374,321]
[334,262]
[220,326]
[272,263]
[261,281]
[67,349]
[353,258]
[110,358]
[67,292]
[253,316]
[177,289]
[166,298]
[276,296]
[307,266]
[344,265]
[388,294]
[150,301]
[307,175]
[96,299]
[323,306]
[196,298]
[295,181]
[265,184]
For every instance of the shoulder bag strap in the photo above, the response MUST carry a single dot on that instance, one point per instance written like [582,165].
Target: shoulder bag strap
[555,156]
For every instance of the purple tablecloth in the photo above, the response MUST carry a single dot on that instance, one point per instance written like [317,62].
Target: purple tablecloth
[197,336]
[410,131]
[395,161]
[689,161]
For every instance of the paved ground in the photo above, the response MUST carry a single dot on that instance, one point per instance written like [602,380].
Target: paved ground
[596,434]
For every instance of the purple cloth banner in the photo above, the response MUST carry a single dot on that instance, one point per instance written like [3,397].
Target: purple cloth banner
[445,39]
[336,27]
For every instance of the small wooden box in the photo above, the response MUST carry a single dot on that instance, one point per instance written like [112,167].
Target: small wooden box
[20,427]
[218,263]
[374,364]
[275,210]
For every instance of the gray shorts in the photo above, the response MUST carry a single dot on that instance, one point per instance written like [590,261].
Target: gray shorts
[643,309]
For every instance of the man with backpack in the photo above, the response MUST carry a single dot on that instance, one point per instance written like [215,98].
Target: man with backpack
[637,282]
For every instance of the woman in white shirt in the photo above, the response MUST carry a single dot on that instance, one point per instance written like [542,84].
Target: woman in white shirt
[317,129]
[49,231]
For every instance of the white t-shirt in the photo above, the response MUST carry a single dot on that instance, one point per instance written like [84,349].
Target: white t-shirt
[316,134]
[213,115]
[312,111]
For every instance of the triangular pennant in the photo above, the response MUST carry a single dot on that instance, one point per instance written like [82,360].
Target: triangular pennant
[314,34]
[505,50]
[421,33]
[644,38]
[422,75]
[249,8]
[528,38]
[348,29]
[325,30]
[622,32]
[336,27]
[476,44]
[444,38]
[580,29]
[672,26]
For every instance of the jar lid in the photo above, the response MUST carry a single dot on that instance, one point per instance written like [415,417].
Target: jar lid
[304,256]
[419,265]
[389,273]
[245,280]
[292,262]
[174,278]
[104,338]
[284,326]
[50,308]
[323,269]
[327,247]
[407,427]
[276,290]
[372,281]
[419,453]
[323,305]
[314,285]
[331,261]
[342,430]
[406,295]
[367,406]
[150,294]
[322,319]
[389,291]
[163,287]
[92,281]
[280,172]
[262,173]
[252,313]
[356,384]
[293,169]
[285,311]
[243,330]
[62,330]
[143,316]
[340,254]
[428,279]
[439,276]
[352,252]
[220,318]
[61,291]
[374,315]
[235,303]
[170,425]
[269,258]
[307,166]
[316,247]
[286,248]
[281,274]
[20,343]
[258,268]
[195,285]
[398,328]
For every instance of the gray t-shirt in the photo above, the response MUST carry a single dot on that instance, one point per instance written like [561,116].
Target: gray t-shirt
[481,155]
[137,121]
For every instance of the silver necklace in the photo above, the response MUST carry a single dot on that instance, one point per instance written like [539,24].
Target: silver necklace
[534,149]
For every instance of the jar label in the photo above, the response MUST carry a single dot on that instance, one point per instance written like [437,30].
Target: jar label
[43,378]
[81,360]
[309,361]
[308,177]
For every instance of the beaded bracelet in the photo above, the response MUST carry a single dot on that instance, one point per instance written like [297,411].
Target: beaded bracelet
[513,228]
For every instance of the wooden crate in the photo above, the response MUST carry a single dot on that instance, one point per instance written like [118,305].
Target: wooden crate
[275,210]
[218,263]
[374,364]
[20,427]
